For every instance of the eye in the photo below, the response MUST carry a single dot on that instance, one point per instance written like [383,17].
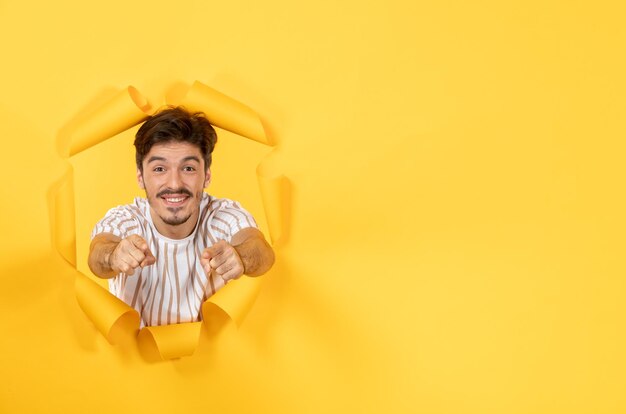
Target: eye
[158,169]
[188,168]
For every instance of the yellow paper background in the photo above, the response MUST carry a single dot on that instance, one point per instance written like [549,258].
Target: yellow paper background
[456,233]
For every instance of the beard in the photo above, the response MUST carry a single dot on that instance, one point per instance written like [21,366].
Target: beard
[173,220]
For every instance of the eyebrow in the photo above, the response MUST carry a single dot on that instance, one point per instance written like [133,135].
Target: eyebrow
[190,158]
[155,158]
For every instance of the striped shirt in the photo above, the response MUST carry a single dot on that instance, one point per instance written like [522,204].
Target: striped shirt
[173,289]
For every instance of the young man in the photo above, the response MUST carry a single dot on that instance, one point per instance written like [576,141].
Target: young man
[167,253]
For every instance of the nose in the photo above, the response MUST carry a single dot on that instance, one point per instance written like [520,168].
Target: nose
[174,181]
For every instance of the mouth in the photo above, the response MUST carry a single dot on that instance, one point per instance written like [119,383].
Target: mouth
[174,200]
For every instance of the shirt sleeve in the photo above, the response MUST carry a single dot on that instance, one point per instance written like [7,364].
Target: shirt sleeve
[118,221]
[230,218]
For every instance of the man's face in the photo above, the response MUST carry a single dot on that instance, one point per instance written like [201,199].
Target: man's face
[174,179]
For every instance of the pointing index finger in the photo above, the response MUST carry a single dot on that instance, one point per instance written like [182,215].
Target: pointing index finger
[149,259]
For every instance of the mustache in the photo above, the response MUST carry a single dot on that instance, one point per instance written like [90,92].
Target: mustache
[177,191]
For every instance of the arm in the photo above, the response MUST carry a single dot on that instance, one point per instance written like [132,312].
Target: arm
[248,254]
[110,255]
[255,252]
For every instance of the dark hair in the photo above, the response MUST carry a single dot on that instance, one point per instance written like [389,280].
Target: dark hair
[179,125]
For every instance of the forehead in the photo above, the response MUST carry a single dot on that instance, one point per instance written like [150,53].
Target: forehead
[173,151]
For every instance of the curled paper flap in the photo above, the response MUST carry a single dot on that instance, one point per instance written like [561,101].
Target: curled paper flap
[110,315]
[225,112]
[63,226]
[235,299]
[125,110]
[169,341]
[274,193]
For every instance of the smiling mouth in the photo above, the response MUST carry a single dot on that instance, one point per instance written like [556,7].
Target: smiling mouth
[174,200]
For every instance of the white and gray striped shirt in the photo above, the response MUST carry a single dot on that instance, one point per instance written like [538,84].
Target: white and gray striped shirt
[173,289]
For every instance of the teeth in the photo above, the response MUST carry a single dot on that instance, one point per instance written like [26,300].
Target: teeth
[175,200]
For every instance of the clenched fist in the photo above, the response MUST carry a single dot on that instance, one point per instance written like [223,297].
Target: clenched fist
[223,259]
[131,253]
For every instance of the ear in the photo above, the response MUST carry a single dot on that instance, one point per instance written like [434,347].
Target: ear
[207,177]
[140,179]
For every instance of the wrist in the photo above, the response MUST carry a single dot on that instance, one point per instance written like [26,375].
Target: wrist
[239,251]
[107,260]
[108,257]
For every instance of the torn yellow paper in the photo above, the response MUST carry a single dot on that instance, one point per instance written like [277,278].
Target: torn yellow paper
[64,226]
[274,193]
[225,112]
[235,299]
[169,341]
[125,110]
[108,313]
[111,316]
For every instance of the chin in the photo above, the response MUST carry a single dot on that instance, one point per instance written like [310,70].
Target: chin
[175,221]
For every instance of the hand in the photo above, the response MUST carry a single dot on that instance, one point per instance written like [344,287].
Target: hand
[130,253]
[224,259]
